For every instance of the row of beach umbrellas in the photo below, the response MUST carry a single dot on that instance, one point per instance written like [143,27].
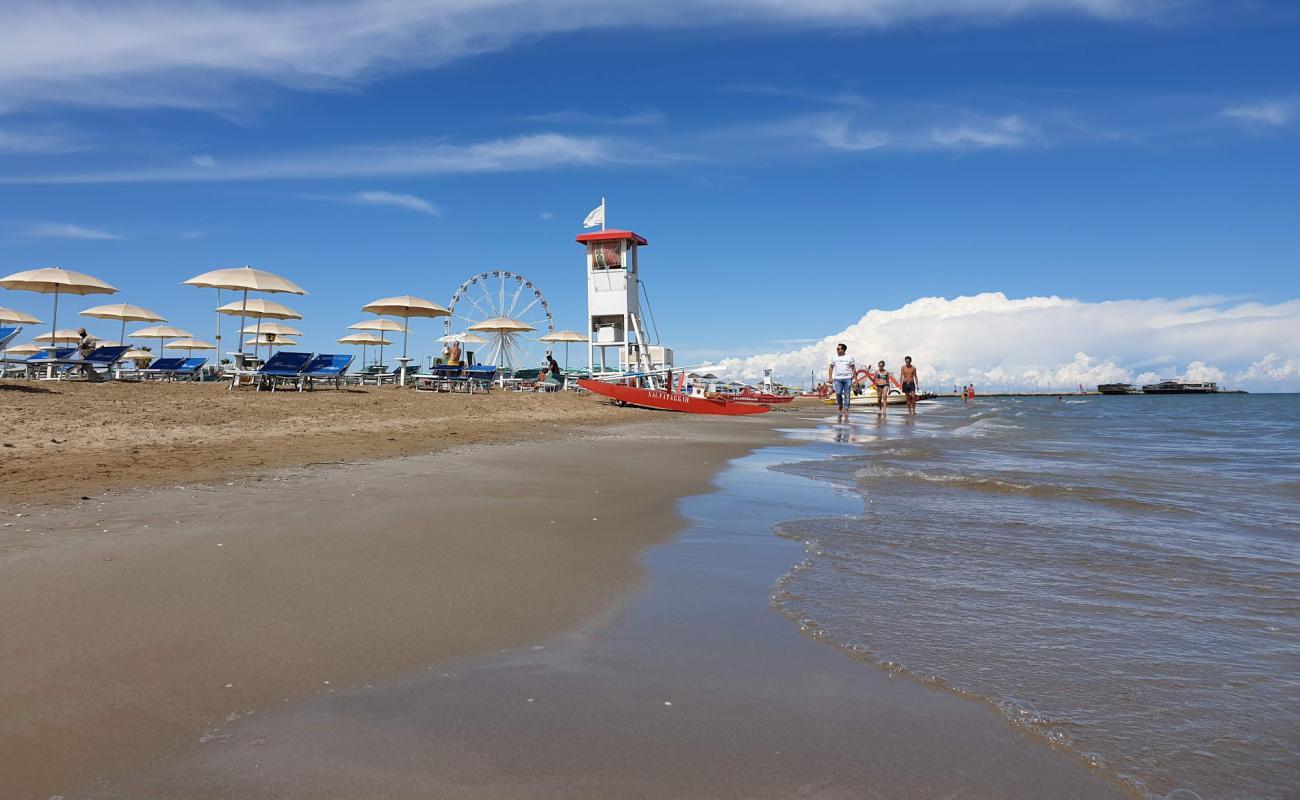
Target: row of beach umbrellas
[269,328]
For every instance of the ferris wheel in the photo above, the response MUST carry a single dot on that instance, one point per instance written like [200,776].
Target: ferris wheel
[509,312]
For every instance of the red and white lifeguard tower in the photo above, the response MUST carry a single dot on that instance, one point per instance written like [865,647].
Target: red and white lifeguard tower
[618,335]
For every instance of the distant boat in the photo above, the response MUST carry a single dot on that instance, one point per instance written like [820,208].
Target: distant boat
[1117,388]
[1181,387]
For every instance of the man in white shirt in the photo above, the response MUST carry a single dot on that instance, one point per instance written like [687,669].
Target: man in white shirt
[840,374]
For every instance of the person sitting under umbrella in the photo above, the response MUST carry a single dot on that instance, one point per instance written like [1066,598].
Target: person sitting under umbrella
[85,346]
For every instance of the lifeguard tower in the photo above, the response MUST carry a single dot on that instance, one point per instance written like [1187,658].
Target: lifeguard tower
[618,336]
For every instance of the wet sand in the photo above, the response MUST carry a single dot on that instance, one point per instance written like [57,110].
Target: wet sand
[306,634]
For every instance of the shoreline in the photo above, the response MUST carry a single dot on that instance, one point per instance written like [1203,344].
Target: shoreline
[693,686]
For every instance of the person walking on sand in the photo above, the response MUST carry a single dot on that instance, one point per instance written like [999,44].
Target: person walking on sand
[880,379]
[840,374]
[910,380]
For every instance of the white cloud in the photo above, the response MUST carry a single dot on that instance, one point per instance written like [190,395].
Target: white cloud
[407,201]
[1271,368]
[43,141]
[203,161]
[1273,114]
[159,53]
[640,118]
[547,215]
[1009,131]
[515,154]
[998,342]
[63,230]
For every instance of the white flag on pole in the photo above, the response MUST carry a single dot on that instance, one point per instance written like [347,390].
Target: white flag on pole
[596,217]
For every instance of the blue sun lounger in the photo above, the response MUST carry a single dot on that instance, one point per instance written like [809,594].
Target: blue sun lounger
[101,358]
[480,377]
[284,366]
[191,369]
[161,367]
[7,335]
[325,368]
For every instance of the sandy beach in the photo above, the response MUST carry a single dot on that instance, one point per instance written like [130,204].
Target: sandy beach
[69,439]
[148,628]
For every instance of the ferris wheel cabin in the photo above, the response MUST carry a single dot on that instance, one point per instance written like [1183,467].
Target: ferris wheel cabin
[618,336]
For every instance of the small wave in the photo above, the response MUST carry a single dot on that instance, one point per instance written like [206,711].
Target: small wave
[1046,491]
[986,426]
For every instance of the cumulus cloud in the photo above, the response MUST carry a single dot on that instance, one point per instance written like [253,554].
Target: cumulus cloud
[408,201]
[1017,343]
[64,230]
[158,53]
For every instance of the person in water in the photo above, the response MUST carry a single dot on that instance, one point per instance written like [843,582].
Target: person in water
[840,374]
[881,381]
[910,380]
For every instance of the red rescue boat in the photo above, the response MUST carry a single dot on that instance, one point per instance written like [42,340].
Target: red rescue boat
[665,400]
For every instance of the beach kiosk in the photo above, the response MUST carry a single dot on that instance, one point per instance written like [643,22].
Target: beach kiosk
[619,340]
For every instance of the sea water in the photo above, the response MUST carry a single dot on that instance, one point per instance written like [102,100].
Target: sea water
[1119,576]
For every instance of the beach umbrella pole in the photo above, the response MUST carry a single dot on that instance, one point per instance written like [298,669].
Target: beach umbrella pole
[406,334]
[54,326]
[218,328]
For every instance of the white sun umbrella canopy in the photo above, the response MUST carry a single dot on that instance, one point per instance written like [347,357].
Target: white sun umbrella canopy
[245,279]
[65,336]
[365,340]
[24,349]
[380,324]
[273,328]
[270,340]
[161,333]
[505,328]
[190,345]
[568,337]
[260,308]
[464,337]
[56,281]
[12,316]
[406,306]
[124,312]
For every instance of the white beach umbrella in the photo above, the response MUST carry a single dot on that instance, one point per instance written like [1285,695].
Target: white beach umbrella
[274,328]
[161,333]
[380,324]
[506,329]
[56,281]
[124,312]
[10,316]
[406,306]
[464,337]
[24,349]
[259,307]
[365,340]
[191,344]
[568,337]
[245,279]
[65,336]
[270,340]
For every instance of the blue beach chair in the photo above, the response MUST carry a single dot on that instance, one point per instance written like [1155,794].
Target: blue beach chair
[7,335]
[161,367]
[190,369]
[479,377]
[325,368]
[101,358]
[284,366]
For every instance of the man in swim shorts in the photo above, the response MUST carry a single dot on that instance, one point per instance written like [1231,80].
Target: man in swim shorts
[840,374]
[909,378]
[880,379]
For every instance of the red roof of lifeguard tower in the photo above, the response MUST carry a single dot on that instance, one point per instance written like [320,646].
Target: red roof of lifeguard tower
[610,235]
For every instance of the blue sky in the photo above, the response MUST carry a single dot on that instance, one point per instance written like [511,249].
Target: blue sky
[793,166]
